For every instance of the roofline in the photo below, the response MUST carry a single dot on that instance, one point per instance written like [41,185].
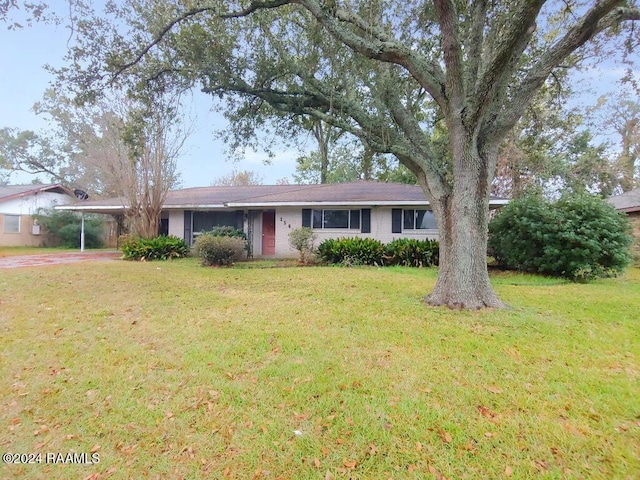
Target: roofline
[629,209]
[89,207]
[216,206]
[320,204]
[38,190]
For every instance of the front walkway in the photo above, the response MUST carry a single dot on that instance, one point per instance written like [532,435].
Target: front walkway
[56,258]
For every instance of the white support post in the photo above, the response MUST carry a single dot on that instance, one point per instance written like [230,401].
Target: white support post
[82,232]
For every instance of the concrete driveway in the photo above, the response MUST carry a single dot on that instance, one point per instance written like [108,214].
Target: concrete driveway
[19,261]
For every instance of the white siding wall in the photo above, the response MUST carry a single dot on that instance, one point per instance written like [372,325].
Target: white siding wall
[29,204]
[380,229]
[287,219]
[290,218]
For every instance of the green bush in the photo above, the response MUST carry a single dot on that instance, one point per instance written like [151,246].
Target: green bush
[162,247]
[411,252]
[219,250]
[226,231]
[352,251]
[302,239]
[65,227]
[579,237]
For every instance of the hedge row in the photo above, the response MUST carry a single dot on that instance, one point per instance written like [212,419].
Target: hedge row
[368,251]
[162,247]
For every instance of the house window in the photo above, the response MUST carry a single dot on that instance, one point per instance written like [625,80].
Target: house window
[204,221]
[418,220]
[12,224]
[348,219]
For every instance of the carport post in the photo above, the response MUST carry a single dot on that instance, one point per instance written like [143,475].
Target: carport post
[82,232]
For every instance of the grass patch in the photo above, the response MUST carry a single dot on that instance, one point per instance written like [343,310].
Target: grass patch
[15,251]
[173,370]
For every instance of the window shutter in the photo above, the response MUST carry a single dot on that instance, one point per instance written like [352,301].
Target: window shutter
[396,220]
[366,220]
[355,219]
[306,217]
[240,219]
[187,227]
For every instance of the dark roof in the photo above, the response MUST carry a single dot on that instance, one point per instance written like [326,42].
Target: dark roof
[257,196]
[8,192]
[336,193]
[627,202]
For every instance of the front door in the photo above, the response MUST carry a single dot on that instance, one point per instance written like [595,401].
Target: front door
[269,233]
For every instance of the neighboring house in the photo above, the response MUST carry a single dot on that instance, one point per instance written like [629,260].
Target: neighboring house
[267,213]
[17,205]
[629,203]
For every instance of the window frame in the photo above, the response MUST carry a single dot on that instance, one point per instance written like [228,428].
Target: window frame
[353,223]
[4,223]
[414,223]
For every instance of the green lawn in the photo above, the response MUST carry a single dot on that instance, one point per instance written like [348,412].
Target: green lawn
[14,251]
[172,370]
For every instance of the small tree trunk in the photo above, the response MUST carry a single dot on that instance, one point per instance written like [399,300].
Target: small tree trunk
[463,217]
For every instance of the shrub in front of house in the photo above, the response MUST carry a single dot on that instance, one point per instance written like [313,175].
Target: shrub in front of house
[219,250]
[226,231]
[65,227]
[302,239]
[411,252]
[352,251]
[162,247]
[579,237]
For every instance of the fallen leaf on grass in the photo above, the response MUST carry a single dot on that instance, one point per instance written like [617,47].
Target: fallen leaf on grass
[372,449]
[484,411]
[445,436]
[350,464]
[316,462]
[94,449]
[508,471]
[494,389]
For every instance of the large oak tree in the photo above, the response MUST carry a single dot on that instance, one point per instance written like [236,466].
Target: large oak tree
[384,71]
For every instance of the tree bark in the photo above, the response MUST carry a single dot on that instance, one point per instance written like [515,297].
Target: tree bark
[463,218]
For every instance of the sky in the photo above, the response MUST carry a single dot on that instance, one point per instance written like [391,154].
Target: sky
[23,81]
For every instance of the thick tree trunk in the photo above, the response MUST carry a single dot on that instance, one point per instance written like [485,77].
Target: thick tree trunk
[463,279]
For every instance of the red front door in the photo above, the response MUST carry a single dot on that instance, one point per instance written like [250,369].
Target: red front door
[268,233]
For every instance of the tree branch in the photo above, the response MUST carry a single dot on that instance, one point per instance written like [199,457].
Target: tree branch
[255,6]
[474,42]
[513,40]
[455,72]
[381,47]
[188,14]
[602,16]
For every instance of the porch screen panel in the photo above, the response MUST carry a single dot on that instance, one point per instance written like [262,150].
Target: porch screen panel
[240,219]
[204,221]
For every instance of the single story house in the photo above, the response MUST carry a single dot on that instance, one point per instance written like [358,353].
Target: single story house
[267,213]
[629,203]
[17,205]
